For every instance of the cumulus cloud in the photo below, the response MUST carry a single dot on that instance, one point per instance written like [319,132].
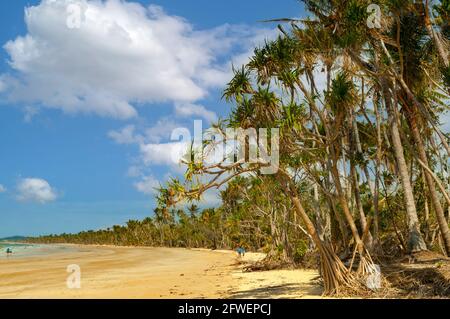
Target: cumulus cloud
[134,171]
[147,185]
[2,189]
[190,109]
[35,190]
[121,55]
[29,113]
[125,135]
[164,144]
[169,154]
[155,143]
[162,130]
[132,134]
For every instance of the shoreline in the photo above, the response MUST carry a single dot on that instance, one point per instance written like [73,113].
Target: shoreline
[148,272]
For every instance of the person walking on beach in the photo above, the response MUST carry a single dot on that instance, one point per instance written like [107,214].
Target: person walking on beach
[241,251]
[8,251]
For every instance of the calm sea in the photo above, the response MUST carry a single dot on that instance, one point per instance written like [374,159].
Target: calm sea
[27,250]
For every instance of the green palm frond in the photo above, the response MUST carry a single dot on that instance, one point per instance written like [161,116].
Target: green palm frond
[239,85]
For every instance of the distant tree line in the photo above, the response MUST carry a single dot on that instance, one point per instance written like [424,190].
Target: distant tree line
[364,160]
[250,216]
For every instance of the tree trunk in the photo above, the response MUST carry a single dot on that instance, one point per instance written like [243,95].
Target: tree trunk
[333,271]
[340,222]
[415,239]
[440,215]
[356,148]
[377,173]
[442,51]
[343,201]
[335,275]
[359,206]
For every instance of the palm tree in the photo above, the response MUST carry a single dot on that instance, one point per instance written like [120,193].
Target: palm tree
[413,44]
[193,211]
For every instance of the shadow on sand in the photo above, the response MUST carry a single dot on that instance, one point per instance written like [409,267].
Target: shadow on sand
[285,291]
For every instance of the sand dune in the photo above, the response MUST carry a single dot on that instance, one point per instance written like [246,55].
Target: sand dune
[121,272]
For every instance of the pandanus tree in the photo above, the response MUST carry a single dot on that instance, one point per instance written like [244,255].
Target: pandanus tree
[403,68]
[382,75]
[409,66]
[347,20]
[416,62]
[258,105]
[396,49]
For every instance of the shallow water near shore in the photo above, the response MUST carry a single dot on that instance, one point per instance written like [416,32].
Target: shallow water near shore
[25,250]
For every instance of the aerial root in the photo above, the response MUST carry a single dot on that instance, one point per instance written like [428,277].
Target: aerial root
[339,280]
[335,276]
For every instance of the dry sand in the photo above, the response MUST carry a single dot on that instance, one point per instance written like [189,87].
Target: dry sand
[122,272]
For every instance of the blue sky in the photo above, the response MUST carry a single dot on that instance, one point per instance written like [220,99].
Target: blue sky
[86,109]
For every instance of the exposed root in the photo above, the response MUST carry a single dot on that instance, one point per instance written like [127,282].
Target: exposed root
[336,277]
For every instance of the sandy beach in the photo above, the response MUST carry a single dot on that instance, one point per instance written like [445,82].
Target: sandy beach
[123,272]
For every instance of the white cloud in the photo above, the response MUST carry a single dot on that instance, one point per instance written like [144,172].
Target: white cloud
[125,136]
[162,130]
[29,113]
[35,190]
[122,55]
[169,154]
[147,185]
[2,189]
[152,149]
[156,146]
[131,134]
[134,171]
[190,109]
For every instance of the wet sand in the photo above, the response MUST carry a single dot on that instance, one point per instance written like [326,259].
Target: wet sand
[123,272]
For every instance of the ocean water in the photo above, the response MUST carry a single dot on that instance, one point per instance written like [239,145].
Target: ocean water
[29,250]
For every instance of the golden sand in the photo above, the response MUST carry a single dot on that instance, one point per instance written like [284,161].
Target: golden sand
[132,272]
